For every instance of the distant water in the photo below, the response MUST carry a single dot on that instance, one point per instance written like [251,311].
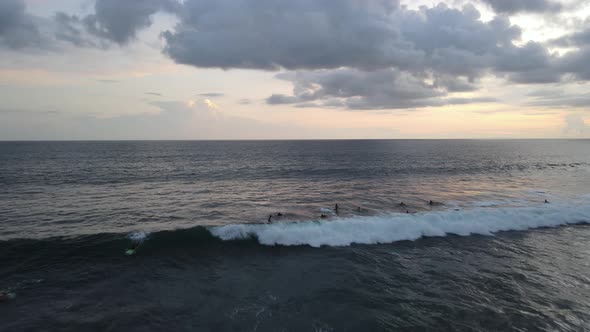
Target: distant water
[487,254]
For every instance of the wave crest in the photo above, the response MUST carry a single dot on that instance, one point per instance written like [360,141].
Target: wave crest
[398,227]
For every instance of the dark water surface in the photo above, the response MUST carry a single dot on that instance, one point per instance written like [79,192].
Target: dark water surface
[207,261]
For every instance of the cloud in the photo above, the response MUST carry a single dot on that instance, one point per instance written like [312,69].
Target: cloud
[431,51]
[154,94]
[119,21]
[291,34]
[558,98]
[370,35]
[211,94]
[70,28]
[392,56]
[453,46]
[575,62]
[367,35]
[579,38]
[516,6]
[112,21]
[18,29]
[363,90]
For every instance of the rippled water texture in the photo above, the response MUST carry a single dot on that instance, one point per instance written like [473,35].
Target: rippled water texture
[487,255]
[69,188]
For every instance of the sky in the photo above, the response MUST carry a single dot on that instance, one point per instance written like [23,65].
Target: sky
[294,69]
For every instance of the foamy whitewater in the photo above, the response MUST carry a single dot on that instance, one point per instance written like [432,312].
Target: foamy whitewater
[399,227]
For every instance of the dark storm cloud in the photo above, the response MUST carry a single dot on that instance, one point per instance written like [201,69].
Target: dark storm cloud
[516,6]
[17,28]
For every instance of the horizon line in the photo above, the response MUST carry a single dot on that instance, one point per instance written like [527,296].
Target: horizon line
[291,139]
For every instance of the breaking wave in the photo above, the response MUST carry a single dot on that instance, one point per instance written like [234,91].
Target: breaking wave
[399,227]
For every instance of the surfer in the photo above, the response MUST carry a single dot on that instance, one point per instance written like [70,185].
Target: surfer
[336,208]
[546,201]
[431,203]
[358,209]
[133,248]
[279,214]
[323,216]
[270,219]
[402,204]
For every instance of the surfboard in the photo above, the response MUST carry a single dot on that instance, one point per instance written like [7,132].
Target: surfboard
[132,251]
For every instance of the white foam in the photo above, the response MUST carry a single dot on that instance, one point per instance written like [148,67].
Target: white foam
[327,210]
[137,236]
[398,227]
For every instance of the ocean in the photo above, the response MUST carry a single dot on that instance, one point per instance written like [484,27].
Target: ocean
[457,235]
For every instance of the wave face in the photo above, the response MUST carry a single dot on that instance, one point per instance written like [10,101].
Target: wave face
[399,227]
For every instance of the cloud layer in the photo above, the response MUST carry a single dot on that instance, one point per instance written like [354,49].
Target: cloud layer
[516,6]
[362,90]
[354,54]
[17,28]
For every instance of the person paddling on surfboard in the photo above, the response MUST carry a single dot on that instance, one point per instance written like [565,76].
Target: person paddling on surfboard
[133,248]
